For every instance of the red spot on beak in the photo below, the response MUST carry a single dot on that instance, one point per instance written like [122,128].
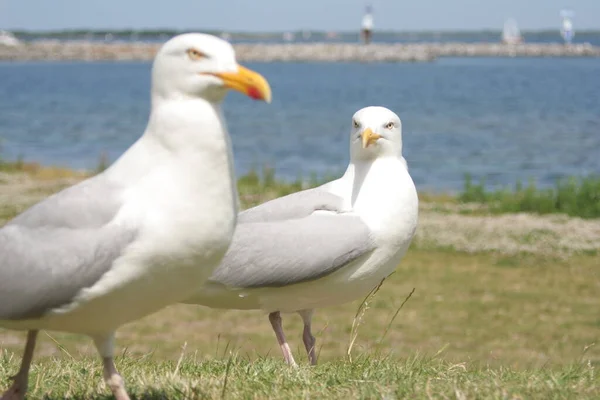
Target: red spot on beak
[254,93]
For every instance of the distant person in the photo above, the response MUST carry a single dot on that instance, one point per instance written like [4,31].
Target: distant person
[367,25]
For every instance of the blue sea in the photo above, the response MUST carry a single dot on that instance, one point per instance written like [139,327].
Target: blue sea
[501,119]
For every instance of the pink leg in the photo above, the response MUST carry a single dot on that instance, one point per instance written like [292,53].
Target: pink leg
[275,319]
[114,380]
[19,386]
[105,346]
[307,336]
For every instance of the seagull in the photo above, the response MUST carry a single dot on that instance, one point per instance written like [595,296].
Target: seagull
[141,235]
[323,246]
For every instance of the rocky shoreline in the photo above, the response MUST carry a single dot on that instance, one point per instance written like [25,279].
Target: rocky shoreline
[301,52]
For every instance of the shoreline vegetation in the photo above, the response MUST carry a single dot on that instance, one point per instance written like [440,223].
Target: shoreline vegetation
[504,306]
[84,50]
[572,196]
[558,221]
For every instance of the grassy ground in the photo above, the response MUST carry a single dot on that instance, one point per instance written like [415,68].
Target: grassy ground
[503,307]
[366,378]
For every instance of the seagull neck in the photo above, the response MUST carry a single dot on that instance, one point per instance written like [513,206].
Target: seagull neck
[184,125]
[381,185]
[191,132]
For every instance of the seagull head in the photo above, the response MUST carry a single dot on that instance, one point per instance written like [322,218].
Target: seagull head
[196,65]
[376,132]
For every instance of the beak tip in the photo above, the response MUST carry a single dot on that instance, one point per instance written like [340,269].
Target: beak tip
[249,82]
[267,98]
[258,94]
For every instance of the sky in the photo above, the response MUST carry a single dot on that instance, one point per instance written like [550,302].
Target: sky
[284,15]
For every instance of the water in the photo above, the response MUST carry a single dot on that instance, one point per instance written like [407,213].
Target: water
[498,119]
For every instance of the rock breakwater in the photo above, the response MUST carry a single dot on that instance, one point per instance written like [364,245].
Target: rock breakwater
[300,52]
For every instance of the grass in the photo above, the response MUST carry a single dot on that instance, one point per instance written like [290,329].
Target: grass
[479,325]
[578,197]
[39,172]
[235,377]
[485,325]
[518,311]
[254,188]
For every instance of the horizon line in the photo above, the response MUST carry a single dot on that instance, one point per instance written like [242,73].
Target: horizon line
[273,32]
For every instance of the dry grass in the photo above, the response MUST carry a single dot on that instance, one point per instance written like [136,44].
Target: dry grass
[522,311]
[556,235]
[24,185]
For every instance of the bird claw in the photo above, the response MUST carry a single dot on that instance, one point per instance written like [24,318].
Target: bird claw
[15,392]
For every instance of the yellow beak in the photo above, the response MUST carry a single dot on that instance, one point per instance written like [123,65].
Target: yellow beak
[251,83]
[369,137]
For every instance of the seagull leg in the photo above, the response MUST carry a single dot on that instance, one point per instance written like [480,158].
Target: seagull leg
[19,387]
[275,319]
[105,345]
[307,336]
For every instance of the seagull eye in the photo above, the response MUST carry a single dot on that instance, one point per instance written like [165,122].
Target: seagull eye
[356,124]
[389,125]
[195,55]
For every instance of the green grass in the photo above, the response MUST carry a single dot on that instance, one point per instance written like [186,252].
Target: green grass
[12,166]
[255,188]
[578,197]
[235,377]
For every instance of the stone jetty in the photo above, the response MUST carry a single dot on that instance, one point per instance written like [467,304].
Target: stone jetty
[299,52]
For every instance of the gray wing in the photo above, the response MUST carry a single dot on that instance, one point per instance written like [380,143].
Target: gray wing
[280,253]
[295,205]
[88,204]
[58,247]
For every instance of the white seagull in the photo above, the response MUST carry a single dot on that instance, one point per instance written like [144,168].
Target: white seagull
[324,246]
[141,235]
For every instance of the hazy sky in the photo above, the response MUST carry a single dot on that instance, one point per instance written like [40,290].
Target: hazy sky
[281,15]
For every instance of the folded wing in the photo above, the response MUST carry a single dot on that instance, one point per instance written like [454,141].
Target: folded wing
[58,247]
[287,252]
[295,205]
